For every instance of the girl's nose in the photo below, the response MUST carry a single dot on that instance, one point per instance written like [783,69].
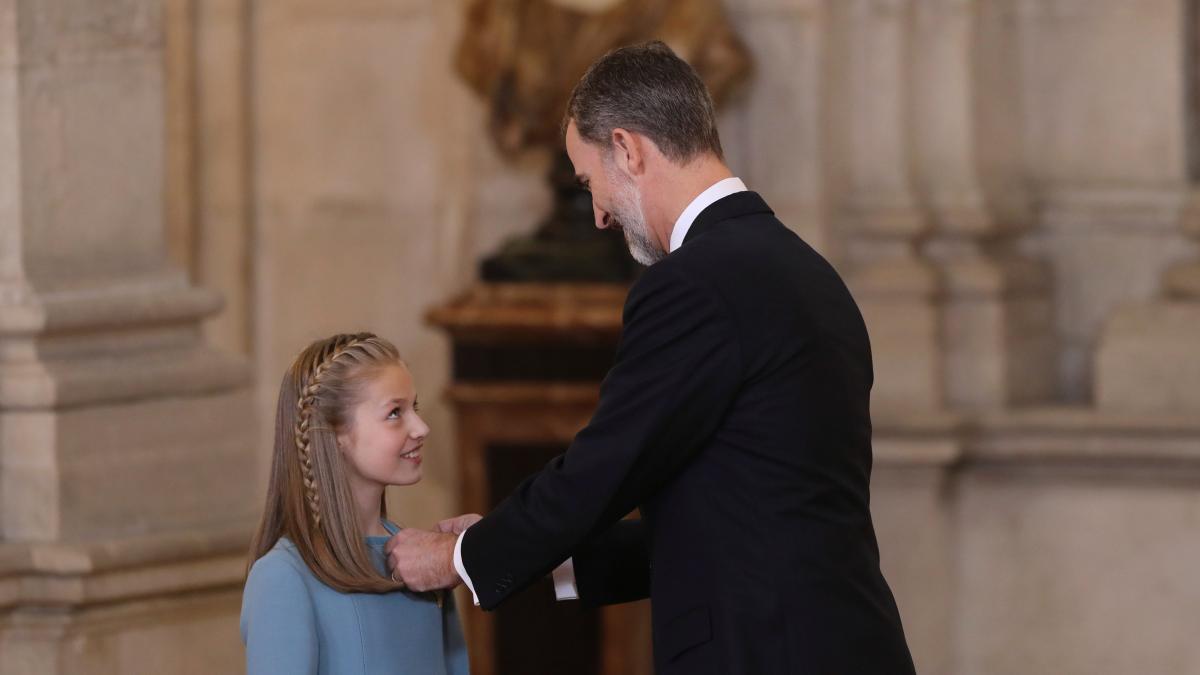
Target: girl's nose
[420,430]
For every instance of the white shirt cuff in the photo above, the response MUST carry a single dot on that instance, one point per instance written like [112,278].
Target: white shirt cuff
[564,581]
[462,571]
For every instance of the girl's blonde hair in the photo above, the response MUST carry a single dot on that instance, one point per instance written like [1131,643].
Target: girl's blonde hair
[308,496]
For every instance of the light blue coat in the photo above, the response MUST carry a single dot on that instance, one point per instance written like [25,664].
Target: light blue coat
[294,624]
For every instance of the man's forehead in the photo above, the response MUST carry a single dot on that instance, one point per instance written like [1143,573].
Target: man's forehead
[576,152]
[572,137]
[581,153]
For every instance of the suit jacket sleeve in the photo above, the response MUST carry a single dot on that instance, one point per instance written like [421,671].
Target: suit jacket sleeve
[677,369]
[614,567]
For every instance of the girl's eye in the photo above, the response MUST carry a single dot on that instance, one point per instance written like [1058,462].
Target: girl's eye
[394,414]
[416,406]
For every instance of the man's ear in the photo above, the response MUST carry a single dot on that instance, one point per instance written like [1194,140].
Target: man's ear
[627,151]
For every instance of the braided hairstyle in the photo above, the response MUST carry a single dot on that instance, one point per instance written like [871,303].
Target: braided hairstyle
[309,499]
[321,361]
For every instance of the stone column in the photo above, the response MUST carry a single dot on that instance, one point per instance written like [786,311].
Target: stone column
[1148,359]
[895,286]
[126,464]
[222,163]
[1182,281]
[997,319]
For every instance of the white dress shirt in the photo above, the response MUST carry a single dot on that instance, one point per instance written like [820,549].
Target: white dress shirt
[717,191]
[564,574]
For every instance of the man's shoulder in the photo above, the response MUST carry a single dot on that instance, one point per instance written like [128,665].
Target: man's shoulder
[730,247]
[717,261]
[669,278]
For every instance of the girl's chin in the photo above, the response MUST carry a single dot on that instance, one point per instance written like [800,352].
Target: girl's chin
[409,477]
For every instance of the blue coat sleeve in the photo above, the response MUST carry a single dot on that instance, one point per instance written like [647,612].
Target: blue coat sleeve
[457,662]
[278,621]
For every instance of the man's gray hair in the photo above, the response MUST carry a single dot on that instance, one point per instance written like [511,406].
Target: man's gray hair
[647,89]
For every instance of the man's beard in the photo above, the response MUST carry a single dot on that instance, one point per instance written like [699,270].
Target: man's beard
[626,208]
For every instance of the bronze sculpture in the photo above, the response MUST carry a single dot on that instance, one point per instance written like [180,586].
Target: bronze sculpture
[525,56]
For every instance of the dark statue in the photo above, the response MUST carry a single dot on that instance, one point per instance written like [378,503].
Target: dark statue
[525,56]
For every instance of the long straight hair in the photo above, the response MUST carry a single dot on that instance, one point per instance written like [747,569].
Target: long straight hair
[308,497]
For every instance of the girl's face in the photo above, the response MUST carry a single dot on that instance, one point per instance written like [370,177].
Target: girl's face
[383,445]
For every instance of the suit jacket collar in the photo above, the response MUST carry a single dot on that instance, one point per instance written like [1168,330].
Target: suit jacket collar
[735,205]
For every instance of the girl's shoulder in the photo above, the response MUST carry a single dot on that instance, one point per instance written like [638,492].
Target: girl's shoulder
[281,568]
[276,594]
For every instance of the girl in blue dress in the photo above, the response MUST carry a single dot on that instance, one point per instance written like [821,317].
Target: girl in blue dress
[318,599]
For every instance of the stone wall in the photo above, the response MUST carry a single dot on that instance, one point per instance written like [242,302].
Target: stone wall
[1004,183]
[126,440]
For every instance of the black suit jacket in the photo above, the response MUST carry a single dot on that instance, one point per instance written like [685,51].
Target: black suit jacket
[737,418]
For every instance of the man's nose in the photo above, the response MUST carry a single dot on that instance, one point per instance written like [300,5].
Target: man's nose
[600,215]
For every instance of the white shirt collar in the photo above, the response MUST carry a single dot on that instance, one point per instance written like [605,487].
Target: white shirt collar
[716,191]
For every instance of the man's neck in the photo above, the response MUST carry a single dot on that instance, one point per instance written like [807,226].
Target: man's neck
[682,190]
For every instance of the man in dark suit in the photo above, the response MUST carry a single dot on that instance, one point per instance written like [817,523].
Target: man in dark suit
[736,416]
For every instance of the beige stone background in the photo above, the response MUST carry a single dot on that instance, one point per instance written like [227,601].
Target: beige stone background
[191,190]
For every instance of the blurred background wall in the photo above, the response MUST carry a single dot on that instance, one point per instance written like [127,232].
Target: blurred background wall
[1007,185]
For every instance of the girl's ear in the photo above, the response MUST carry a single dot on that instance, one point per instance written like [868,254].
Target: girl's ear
[344,441]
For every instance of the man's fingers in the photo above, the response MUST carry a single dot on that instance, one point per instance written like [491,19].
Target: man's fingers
[452,526]
[399,538]
[422,560]
[458,524]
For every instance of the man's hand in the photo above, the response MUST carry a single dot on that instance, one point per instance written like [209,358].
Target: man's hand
[458,525]
[423,560]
